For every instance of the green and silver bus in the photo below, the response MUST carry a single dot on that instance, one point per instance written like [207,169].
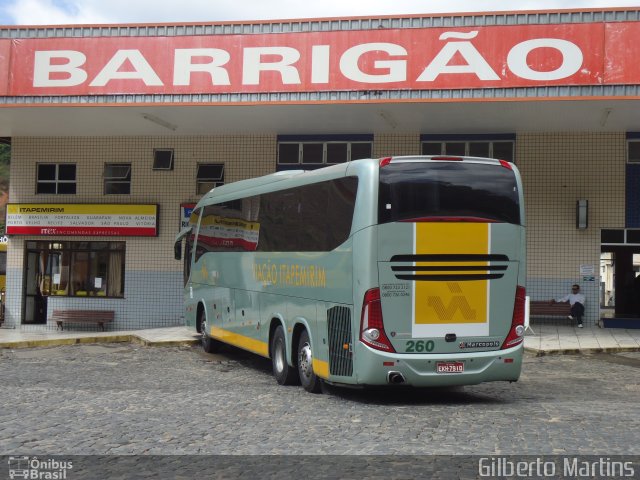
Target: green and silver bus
[393,271]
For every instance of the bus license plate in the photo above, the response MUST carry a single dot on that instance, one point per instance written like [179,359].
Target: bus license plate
[449,367]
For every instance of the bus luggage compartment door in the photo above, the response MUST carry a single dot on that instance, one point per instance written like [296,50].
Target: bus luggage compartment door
[447,291]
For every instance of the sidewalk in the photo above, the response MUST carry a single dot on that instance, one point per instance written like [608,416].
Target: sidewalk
[547,339]
[169,336]
[559,340]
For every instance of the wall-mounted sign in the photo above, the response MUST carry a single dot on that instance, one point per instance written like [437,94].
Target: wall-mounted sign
[185,214]
[452,57]
[99,219]
[587,270]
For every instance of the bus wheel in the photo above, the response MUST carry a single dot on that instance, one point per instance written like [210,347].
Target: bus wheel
[285,375]
[308,378]
[209,345]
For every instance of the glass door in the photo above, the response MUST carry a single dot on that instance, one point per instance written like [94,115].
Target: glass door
[34,302]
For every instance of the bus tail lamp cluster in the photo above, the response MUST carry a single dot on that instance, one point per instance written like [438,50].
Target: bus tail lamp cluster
[516,332]
[449,219]
[385,161]
[371,324]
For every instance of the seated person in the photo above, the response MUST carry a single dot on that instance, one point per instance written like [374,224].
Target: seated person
[576,299]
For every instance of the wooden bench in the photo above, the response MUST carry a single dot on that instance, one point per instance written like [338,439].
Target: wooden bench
[543,308]
[82,316]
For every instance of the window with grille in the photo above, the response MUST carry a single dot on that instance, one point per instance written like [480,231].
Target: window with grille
[633,151]
[56,178]
[117,179]
[309,152]
[163,159]
[502,147]
[208,176]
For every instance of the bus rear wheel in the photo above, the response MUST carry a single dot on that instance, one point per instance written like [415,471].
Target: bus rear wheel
[309,380]
[209,345]
[284,374]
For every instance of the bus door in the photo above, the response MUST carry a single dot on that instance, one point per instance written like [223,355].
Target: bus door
[449,248]
[247,318]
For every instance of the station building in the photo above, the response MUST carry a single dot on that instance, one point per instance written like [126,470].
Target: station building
[116,131]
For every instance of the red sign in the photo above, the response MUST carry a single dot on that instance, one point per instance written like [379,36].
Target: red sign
[5,56]
[622,53]
[411,59]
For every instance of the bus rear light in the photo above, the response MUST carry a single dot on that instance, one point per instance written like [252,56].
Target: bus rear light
[450,219]
[371,334]
[385,161]
[371,323]
[516,332]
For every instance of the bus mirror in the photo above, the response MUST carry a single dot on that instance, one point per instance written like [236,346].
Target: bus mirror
[177,247]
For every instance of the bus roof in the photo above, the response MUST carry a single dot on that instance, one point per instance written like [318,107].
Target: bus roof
[249,183]
[292,178]
[289,178]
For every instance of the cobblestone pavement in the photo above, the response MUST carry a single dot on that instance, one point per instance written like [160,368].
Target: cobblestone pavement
[126,399]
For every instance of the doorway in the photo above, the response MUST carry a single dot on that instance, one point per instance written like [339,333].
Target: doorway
[34,305]
[620,281]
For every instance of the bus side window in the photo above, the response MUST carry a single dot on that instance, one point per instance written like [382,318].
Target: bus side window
[309,218]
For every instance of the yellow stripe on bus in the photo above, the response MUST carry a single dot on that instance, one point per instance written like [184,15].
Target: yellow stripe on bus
[320,367]
[237,340]
[451,302]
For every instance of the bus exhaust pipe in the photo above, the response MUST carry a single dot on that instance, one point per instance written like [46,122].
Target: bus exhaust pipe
[395,378]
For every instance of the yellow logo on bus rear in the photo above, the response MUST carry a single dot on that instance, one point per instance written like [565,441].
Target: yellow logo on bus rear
[458,307]
[450,302]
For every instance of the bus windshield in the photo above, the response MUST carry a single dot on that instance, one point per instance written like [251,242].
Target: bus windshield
[414,190]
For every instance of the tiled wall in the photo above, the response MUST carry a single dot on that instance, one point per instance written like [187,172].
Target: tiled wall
[386,145]
[558,169]
[153,279]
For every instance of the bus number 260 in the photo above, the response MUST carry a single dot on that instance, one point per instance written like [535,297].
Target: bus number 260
[419,346]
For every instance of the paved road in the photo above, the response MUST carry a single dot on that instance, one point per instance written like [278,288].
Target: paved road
[125,399]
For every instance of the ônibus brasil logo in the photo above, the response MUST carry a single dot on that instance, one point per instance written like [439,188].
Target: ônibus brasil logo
[33,468]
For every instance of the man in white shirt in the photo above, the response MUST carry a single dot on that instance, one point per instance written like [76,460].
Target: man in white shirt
[576,299]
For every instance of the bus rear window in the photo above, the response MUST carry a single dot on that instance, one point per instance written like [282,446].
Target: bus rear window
[414,190]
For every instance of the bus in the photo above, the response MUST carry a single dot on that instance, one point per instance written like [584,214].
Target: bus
[406,270]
